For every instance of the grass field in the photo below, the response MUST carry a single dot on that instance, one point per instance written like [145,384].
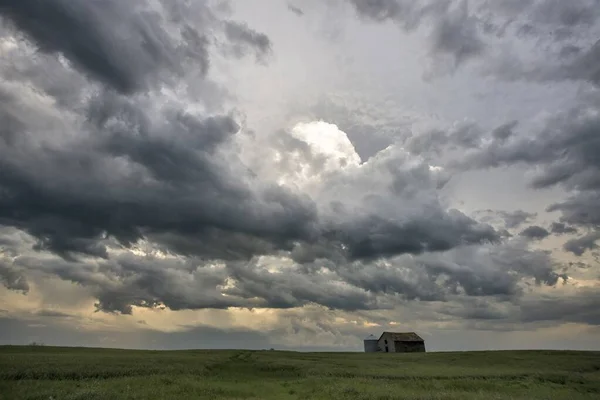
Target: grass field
[77,373]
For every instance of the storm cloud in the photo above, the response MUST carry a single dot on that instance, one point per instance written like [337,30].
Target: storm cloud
[535,232]
[465,30]
[125,46]
[189,159]
[120,169]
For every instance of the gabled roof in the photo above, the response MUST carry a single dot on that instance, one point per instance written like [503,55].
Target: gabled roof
[402,336]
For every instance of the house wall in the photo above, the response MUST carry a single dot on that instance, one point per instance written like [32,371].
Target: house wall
[390,344]
[399,346]
[409,347]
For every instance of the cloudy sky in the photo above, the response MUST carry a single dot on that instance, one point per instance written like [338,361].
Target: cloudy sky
[300,174]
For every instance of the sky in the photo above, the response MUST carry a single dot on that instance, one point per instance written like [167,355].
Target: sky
[300,174]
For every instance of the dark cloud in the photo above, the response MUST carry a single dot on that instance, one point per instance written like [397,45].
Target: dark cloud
[580,209]
[13,278]
[563,153]
[295,10]
[580,307]
[169,171]
[375,237]
[464,30]
[99,171]
[381,10]
[572,13]
[558,228]
[177,283]
[434,142]
[290,289]
[130,47]
[19,331]
[135,173]
[505,131]
[243,38]
[52,314]
[457,34]
[580,245]
[478,309]
[585,66]
[535,232]
[445,146]
[516,218]
[123,45]
[455,30]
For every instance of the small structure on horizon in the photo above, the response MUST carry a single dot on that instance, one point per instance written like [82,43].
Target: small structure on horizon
[371,344]
[395,342]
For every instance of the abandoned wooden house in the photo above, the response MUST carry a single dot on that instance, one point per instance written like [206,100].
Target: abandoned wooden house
[395,342]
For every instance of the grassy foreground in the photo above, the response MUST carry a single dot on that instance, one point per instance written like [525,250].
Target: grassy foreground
[78,373]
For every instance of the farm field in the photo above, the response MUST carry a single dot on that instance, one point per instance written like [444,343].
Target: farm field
[89,373]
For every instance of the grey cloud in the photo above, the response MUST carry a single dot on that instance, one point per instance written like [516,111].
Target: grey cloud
[243,38]
[295,10]
[128,281]
[478,309]
[515,219]
[150,282]
[400,277]
[128,172]
[579,264]
[505,131]
[494,270]
[19,331]
[360,218]
[128,46]
[535,232]
[366,234]
[291,289]
[381,10]
[441,146]
[554,18]
[580,245]
[93,174]
[185,162]
[457,34]
[132,170]
[586,66]
[571,14]
[568,63]
[455,29]
[580,307]
[563,152]
[52,314]
[374,237]
[13,278]
[558,228]
[580,209]
[462,30]
[575,63]
[368,138]
[121,45]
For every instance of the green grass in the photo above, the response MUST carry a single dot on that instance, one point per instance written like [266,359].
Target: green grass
[78,373]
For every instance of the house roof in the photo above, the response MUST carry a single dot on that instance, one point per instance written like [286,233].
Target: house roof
[402,336]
